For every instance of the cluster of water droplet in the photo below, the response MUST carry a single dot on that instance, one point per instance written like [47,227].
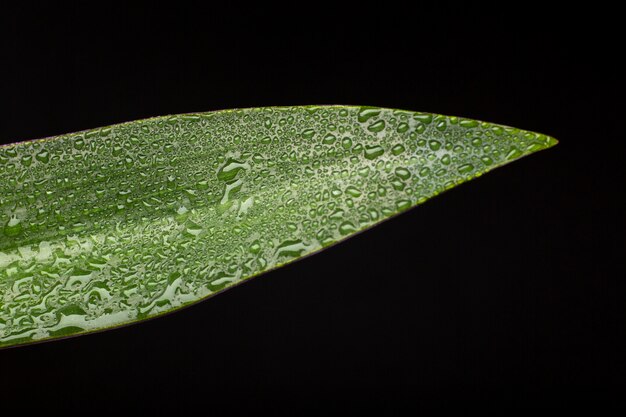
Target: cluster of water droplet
[125,222]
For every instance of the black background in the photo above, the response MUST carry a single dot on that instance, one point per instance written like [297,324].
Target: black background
[502,293]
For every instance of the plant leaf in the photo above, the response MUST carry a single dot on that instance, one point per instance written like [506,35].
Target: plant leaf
[119,224]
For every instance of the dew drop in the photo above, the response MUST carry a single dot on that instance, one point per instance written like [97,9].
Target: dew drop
[466,168]
[79,143]
[255,247]
[346,143]
[424,118]
[513,153]
[397,149]
[308,134]
[403,204]
[534,147]
[468,123]
[202,185]
[403,173]
[13,227]
[43,156]
[346,228]
[377,126]
[27,160]
[402,128]
[367,113]
[353,191]
[291,248]
[397,184]
[193,228]
[373,152]
[329,139]
[434,145]
[229,171]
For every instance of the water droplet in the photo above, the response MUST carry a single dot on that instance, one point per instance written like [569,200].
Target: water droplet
[346,143]
[27,160]
[229,171]
[245,206]
[534,147]
[346,228]
[230,189]
[513,153]
[291,248]
[403,204]
[397,149]
[79,143]
[308,134]
[377,126]
[434,145]
[402,128]
[329,139]
[43,156]
[468,123]
[202,185]
[13,227]
[367,113]
[373,152]
[424,118]
[397,184]
[466,168]
[353,191]
[255,247]
[403,173]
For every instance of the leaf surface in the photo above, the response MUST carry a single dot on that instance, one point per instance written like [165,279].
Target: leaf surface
[114,225]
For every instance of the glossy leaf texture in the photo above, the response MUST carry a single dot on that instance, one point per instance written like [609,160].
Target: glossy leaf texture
[118,224]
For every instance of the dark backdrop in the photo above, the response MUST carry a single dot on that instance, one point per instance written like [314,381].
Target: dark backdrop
[503,292]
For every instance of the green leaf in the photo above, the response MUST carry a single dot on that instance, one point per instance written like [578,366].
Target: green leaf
[119,224]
